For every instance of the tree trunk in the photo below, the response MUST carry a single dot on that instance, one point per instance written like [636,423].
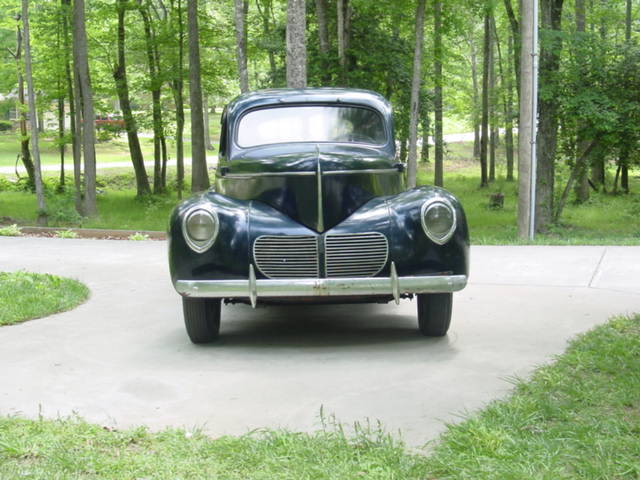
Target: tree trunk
[155,88]
[323,39]
[437,63]
[579,167]
[199,173]
[582,179]
[74,125]
[81,57]
[25,153]
[61,127]
[508,111]
[624,165]
[516,35]
[486,65]
[547,141]
[33,116]
[412,170]
[343,20]
[424,151]
[266,26]
[178,96]
[476,99]
[207,135]
[296,44]
[240,7]
[122,89]
[493,136]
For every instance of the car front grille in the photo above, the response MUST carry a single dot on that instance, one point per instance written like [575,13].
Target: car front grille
[355,254]
[287,256]
[297,256]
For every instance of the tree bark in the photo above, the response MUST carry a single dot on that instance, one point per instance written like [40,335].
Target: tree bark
[199,173]
[25,153]
[33,116]
[576,171]
[476,99]
[74,125]
[240,16]
[486,65]
[437,100]
[412,167]
[547,141]
[582,179]
[516,35]
[508,111]
[122,88]
[155,88]
[81,57]
[61,128]
[296,44]
[178,95]
[207,135]
[323,38]
[493,136]
[624,164]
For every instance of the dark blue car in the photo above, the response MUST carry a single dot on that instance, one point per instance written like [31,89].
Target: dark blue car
[309,206]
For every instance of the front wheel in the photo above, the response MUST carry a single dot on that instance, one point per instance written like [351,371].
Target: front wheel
[434,313]
[202,318]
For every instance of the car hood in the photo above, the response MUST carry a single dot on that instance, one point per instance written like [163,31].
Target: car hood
[318,185]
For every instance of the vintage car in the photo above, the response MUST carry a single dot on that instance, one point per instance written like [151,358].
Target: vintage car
[309,206]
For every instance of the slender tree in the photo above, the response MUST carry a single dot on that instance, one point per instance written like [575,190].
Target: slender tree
[33,117]
[177,87]
[76,148]
[240,10]
[582,180]
[343,20]
[416,81]
[486,65]
[122,89]
[296,44]
[83,81]
[437,99]
[155,86]
[625,153]
[25,153]
[199,174]
[547,140]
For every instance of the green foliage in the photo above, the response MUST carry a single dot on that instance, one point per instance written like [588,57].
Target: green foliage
[25,296]
[138,236]
[6,126]
[66,234]
[10,231]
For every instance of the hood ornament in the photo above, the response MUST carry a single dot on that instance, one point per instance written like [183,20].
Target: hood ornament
[319,180]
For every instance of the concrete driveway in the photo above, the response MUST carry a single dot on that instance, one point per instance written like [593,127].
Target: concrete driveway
[123,358]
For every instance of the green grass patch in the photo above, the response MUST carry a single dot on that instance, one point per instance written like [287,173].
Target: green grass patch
[25,296]
[114,150]
[578,418]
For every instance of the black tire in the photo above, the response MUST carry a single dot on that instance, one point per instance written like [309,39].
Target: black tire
[434,313]
[202,318]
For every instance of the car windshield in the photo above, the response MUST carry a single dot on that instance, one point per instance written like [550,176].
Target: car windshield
[312,123]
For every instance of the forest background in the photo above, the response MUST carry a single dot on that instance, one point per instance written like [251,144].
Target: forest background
[155,74]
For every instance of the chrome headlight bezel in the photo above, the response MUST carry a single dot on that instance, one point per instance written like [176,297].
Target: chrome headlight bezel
[423,212]
[200,246]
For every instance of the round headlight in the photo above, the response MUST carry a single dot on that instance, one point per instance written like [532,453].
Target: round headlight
[438,220]
[200,228]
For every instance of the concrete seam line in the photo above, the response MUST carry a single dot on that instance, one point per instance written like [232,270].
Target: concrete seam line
[593,277]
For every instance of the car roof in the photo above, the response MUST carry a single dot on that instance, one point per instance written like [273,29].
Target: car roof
[283,96]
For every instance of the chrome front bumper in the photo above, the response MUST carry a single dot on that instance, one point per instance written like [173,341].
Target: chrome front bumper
[253,288]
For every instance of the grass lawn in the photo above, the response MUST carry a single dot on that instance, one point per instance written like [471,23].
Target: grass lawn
[578,418]
[115,150]
[24,296]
